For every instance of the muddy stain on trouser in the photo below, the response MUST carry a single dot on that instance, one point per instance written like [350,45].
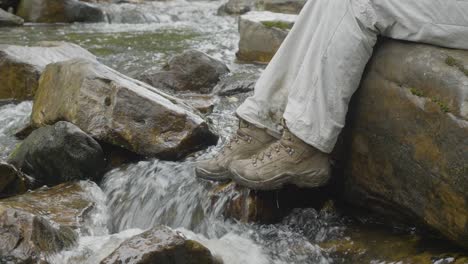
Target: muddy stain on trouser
[315,72]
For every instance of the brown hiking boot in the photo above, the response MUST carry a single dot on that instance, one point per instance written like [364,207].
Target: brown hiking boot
[247,141]
[286,161]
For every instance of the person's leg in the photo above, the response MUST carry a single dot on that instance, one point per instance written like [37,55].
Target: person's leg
[292,63]
[317,99]
[314,27]
[437,22]
[316,109]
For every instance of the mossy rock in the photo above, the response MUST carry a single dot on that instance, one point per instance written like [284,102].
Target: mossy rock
[408,137]
[160,245]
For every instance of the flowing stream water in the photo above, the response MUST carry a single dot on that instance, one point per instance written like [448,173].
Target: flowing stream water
[138,196]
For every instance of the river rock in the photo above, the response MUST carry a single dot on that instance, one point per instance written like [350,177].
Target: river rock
[12,181]
[118,110]
[261,34]
[7,19]
[40,223]
[236,7]
[409,137]
[235,84]
[265,207]
[63,11]
[59,153]
[21,66]
[160,245]
[190,71]
[204,103]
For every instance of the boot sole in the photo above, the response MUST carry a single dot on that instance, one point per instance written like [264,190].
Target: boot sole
[210,176]
[306,180]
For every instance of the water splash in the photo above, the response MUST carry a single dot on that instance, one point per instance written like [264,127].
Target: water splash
[12,118]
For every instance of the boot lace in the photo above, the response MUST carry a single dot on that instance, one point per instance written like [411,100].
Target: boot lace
[236,139]
[276,147]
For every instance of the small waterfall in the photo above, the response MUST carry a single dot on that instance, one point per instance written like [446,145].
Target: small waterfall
[12,118]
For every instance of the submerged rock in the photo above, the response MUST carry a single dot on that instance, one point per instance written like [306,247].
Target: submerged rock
[37,224]
[59,153]
[190,71]
[21,67]
[12,181]
[261,34]
[7,19]
[118,110]
[53,11]
[160,245]
[409,137]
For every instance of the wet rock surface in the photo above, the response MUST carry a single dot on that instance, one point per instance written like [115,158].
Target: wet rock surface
[234,84]
[261,34]
[53,11]
[191,71]
[202,102]
[37,224]
[251,206]
[160,245]
[118,110]
[409,127]
[59,153]
[12,181]
[7,19]
[21,66]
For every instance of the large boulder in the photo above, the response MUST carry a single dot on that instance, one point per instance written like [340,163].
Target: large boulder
[39,223]
[7,19]
[12,181]
[261,35]
[59,153]
[64,11]
[190,71]
[118,110]
[21,67]
[409,137]
[160,245]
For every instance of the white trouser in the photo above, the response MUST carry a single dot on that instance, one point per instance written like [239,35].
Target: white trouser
[315,72]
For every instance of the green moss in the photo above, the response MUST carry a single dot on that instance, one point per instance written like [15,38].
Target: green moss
[417,92]
[444,107]
[452,62]
[277,24]
[105,44]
